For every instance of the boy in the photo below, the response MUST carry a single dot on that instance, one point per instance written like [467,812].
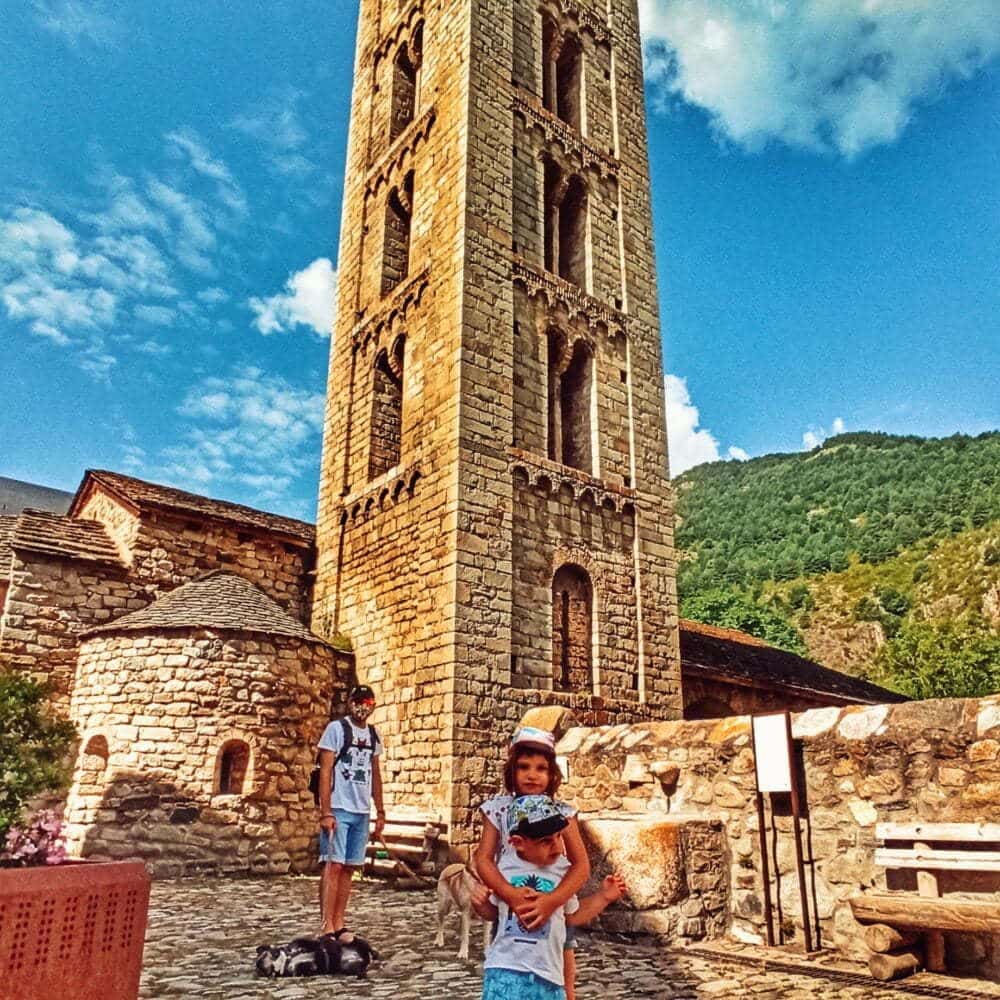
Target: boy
[524,964]
[349,778]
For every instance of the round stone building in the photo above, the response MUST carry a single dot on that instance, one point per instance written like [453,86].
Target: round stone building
[198,718]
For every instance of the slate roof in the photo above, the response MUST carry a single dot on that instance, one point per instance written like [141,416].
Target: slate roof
[219,600]
[143,495]
[6,552]
[715,653]
[16,496]
[54,535]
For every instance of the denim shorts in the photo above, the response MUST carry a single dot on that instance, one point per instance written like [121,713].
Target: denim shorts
[506,984]
[349,840]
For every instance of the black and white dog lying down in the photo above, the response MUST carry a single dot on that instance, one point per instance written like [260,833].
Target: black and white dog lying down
[315,956]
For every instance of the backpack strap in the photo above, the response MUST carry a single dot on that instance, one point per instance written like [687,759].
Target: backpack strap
[348,739]
[373,736]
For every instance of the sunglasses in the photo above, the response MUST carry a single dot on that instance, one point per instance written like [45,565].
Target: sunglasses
[366,703]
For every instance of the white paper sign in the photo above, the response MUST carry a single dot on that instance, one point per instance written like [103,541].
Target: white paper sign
[771,749]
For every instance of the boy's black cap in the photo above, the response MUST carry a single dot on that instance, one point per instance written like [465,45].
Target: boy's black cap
[536,816]
[361,693]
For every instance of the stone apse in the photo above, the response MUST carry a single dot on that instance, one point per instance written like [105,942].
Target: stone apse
[495,524]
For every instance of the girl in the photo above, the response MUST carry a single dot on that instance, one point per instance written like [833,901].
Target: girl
[531,769]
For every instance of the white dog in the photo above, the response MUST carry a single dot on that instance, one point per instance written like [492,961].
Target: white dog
[455,887]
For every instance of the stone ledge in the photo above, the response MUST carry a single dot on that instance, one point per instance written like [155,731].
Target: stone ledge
[558,133]
[557,291]
[373,497]
[392,309]
[603,493]
[403,148]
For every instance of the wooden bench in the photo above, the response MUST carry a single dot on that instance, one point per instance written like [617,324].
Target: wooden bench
[929,848]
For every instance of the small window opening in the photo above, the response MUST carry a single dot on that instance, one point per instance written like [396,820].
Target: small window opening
[387,410]
[396,250]
[562,74]
[575,389]
[572,629]
[234,760]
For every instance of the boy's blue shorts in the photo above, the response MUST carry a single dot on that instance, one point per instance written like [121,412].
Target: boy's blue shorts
[349,840]
[506,984]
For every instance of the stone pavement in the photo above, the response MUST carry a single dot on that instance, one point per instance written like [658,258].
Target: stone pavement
[203,934]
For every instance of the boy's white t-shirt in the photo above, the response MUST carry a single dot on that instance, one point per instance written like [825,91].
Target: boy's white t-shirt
[539,951]
[497,813]
[352,783]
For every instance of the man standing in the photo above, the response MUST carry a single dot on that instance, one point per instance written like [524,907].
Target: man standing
[349,778]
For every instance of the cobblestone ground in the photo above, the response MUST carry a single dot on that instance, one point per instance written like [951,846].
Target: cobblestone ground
[203,935]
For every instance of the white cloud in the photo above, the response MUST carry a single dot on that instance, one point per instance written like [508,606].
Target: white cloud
[213,296]
[842,75]
[187,143]
[277,128]
[689,445]
[249,429]
[77,21]
[157,315]
[738,454]
[814,436]
[308,300]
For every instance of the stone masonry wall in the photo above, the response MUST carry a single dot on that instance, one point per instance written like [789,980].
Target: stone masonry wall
[159,708]
[164,550]
[50,602]
[936,761]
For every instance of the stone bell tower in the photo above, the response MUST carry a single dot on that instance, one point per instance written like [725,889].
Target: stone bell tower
[495,525]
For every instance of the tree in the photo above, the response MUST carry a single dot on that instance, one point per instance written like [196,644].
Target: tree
[33,746]
[952,659]
[729,610]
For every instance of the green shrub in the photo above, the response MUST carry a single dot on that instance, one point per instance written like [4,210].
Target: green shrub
[729,610]
[33,746]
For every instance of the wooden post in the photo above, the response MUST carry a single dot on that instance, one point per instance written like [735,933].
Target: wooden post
[797,828]
[882,938]
[765,870]
[888,967]
[927,886]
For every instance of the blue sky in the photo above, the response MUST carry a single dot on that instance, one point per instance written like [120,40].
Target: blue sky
[827,224]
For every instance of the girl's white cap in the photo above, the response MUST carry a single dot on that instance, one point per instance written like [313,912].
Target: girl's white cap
[530,735]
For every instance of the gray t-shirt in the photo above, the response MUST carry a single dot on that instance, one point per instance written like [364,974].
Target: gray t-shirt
[352,778]
[541,950]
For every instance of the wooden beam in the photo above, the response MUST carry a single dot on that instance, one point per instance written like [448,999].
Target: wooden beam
[929,857]
[975,916]
[970,832]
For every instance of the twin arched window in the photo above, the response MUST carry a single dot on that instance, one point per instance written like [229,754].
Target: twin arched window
[562,74]
[570,400]
[405,84]
[565,225]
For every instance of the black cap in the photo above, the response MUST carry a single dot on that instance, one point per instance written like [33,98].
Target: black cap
[361,693]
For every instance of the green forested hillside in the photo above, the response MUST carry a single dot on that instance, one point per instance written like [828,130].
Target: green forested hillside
[878,555]
[867,494]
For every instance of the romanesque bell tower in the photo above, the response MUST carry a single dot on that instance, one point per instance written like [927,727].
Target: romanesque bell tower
[495,522]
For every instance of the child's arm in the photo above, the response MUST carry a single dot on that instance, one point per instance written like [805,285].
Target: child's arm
[612,889]
[535,912]
[488,872]
[481,903]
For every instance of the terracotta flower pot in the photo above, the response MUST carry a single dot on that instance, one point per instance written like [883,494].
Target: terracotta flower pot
[72,931]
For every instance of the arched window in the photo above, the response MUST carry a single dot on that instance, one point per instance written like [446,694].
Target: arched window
[396,249]
[405,85]
[562,74]
[572,629]
[231,769]
[565,225]
[570,401]
[387,410]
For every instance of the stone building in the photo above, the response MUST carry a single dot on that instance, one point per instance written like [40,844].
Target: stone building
[172,629]
[495,518]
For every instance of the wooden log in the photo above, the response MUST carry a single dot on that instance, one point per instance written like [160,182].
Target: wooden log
[923,913]
[882,938]
[887,967]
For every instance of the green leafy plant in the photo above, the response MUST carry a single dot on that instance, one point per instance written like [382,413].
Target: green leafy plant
[729,610]
[33,746]
[950,659]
